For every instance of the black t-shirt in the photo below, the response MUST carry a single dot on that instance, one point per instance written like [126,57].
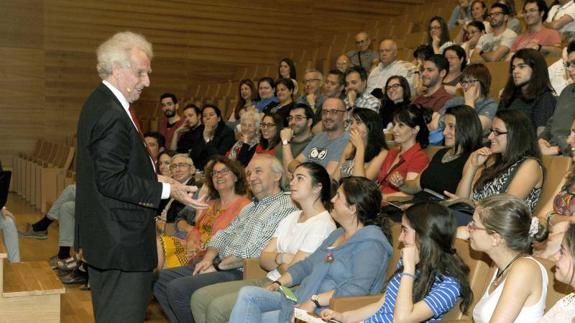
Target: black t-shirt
[440,176]
[538,110]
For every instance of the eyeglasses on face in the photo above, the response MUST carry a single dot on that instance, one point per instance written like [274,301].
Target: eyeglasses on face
[181,165]
[473,227]
[296,118]
[267,125]
[331,111]
[222,172]
[392,86]
[467,82]
[497,132]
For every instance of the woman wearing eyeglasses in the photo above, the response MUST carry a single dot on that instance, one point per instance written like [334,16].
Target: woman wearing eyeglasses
[511,164]
[270,127]
[397,96]
[505,230]
[226,190]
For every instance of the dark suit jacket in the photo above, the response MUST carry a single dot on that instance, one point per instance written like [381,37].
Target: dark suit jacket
[117,191]
[202,151]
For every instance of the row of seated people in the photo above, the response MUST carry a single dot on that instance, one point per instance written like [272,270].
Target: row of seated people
[302,246]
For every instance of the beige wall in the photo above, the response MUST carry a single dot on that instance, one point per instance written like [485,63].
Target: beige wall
[48,62]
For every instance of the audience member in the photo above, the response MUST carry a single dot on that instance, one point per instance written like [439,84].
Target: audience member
[298,235]
[350,262]
[169,105]
[397,96]
[430,277]
[478,14]
[284,93]
[325,147]
[155,143]
[528,88]
[244,238]
[216,139]
[356,92]
[342,63]
[438,35]
[457,60]
[366,149]
[420,55]
[559,74]
[363,56]
[164,161]
[504,229]
[190,131]
[537,36]
[334,85]
[246,98]
[461,14]
[563,310]
[561,16]
[245,147]
[270,128]
[495,45]
[297,136]
[182,170]
[553,140]
[266,94]
[9,235]
[313,81]
[475,30]
[435,95]
[475,82]
[511,164]
[513,23]
[410,133]
[462,133]
[226,191]
[286,69]
[388,66]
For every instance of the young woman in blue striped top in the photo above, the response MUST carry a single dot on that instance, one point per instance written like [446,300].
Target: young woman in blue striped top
[430,277]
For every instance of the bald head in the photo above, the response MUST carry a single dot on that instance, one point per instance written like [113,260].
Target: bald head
[362,41]
[343,63]
[387,51]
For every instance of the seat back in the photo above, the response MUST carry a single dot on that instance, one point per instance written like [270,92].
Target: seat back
[480,272]
[499,74]
[556,167]
[5,177]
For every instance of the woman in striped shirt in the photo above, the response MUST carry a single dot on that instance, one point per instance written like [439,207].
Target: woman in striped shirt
[430,277]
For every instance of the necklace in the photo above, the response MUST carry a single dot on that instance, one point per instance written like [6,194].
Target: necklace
[449,156]
[500,273]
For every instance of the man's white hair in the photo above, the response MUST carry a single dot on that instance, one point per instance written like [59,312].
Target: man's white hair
[116,51]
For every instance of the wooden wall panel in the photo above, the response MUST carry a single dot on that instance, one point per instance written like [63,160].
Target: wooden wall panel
[48,50]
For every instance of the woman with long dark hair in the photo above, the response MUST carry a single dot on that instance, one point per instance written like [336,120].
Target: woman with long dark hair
[528,88]
[366,149]
[457,59]
[430,277]
[216,139]
[438,35]
[270,128]
[247,95]
[396,96]
[511,164]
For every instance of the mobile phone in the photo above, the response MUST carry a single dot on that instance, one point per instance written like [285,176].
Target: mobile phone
[288,293]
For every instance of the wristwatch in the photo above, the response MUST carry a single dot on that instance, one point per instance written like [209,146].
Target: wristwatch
[216,263]
[315,299]
[285,142]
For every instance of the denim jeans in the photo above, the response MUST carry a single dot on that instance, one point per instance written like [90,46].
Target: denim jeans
[256,304]
[10,236]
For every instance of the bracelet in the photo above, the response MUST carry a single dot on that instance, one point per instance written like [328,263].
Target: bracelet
[550,215]
[277,282]
[408,275]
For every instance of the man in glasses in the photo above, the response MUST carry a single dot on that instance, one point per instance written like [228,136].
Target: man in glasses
[493,46]
[553,140]
[326,147]
[363,56]
[537,36]
[297,136]
[313,81]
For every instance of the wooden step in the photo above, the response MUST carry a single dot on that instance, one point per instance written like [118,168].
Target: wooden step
[30,278]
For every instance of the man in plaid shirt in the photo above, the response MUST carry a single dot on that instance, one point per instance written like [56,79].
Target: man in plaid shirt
[244,238]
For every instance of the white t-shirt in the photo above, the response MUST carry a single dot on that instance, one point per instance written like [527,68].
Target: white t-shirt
[558,11]
[489,42]
[380,74]
[558,77]
[306,236]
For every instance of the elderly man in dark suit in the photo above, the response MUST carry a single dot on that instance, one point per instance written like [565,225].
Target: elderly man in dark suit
[118,191]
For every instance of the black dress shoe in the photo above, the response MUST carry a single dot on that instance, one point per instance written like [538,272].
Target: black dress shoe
[75,277]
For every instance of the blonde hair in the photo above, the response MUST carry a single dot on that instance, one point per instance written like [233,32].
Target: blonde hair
[116,51]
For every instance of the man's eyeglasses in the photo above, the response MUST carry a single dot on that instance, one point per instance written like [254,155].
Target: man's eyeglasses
[174,166]
[331,111]
[310,80]
[494,14]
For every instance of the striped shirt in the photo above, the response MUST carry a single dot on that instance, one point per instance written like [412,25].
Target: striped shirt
[444,293]
[253,228]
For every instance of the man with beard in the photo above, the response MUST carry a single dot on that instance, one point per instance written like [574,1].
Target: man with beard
[298,135]
[434,97]
[493,46]
[169,105]
[326,147]
[355,91]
